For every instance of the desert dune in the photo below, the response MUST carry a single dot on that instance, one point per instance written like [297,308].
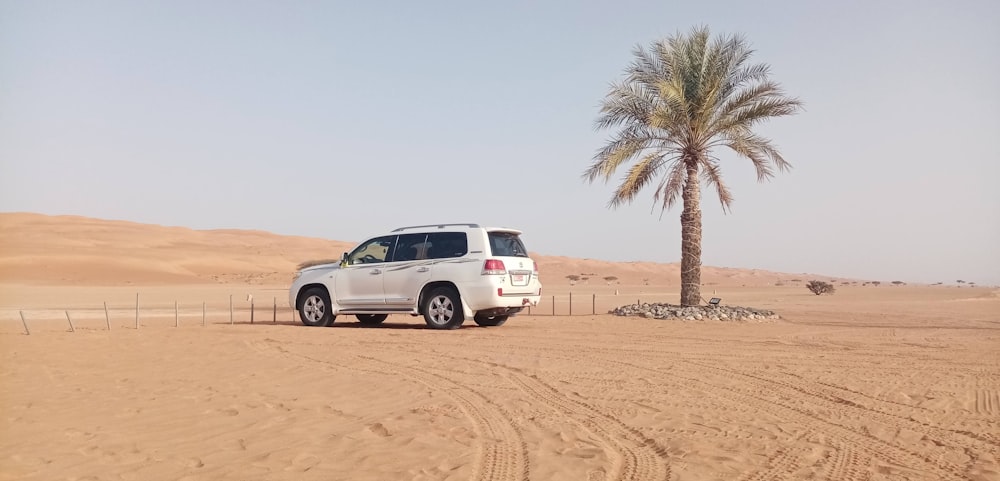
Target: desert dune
[871,383]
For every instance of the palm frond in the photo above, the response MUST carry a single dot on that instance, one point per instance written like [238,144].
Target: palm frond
[712,175]
[760,151]
[638,176]
[759,110]
[671,186]
[626,103]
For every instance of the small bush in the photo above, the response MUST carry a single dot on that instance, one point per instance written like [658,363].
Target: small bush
[898,283]
[573,277]
[610,279]
[820,287]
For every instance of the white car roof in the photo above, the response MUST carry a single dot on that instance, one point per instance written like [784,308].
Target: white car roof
[467,226]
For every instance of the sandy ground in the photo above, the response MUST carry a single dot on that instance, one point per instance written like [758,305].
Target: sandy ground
[871,383]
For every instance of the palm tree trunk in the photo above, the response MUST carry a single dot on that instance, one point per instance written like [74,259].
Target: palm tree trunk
[691,239]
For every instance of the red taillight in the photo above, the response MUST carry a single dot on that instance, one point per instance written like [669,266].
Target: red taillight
[500,291]
[494,267]
[535,267]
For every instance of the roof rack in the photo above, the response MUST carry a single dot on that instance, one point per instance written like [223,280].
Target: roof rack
[439,226]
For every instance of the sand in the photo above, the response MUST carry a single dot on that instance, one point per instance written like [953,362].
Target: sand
[871,383]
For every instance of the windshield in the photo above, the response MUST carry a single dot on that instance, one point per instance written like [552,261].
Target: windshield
[507,244]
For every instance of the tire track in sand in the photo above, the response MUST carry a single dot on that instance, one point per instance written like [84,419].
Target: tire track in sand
[848,409]
[780,466]
[642,459]
[859,441]
[501,453]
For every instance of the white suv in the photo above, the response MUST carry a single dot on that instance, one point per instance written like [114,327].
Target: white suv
[445,272]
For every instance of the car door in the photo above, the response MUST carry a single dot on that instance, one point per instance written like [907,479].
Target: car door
[408,271]
[360,283]
[418,260]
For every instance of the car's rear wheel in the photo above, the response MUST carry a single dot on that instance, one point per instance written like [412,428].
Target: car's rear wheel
[371,319]
[443,309]
[315,308]
[493,321]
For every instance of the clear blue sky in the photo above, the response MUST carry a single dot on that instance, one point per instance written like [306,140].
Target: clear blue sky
[342,119]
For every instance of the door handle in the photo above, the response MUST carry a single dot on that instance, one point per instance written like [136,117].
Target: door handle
[423,269]
[375,272]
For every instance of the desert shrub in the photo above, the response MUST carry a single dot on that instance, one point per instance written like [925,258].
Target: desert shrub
[573,277]
[820,287]
[876,283]
[610,279]
[960,281]
[315,262]
[898,283]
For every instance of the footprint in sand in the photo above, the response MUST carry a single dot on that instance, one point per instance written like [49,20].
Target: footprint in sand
[76,433]
[230,411]
[236,445]
[379,430]
[303,462]
[596,475]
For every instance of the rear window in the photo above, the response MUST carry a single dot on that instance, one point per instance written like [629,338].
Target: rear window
[507,244]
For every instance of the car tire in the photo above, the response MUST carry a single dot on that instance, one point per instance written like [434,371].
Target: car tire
[443,309]
[315,308]
[371,319]
[490,321]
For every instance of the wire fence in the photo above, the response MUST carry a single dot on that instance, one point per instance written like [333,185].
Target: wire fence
[262,311]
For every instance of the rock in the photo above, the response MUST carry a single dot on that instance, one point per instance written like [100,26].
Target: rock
[692,313]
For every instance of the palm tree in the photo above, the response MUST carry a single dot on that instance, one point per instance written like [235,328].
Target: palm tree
[679,100]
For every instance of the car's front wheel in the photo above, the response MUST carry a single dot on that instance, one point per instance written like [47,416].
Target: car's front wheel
[371,319]
[315,308]
[490,321]
[443,309]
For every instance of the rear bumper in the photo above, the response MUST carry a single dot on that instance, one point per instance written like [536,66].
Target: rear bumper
[486,297]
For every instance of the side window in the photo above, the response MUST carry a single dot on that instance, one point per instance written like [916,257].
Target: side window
[411,247]
[372,251]
[447,244]
[506,244]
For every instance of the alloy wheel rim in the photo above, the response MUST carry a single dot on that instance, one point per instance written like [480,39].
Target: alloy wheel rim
[314,308]
[441,310]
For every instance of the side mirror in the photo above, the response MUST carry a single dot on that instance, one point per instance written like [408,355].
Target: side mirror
[343,260]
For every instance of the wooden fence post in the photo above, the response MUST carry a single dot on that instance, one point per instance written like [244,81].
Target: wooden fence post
[202,313]
[251,310]
[274,313]
[553,305]
[26,331]
[71,329]
[593,305]
[107,317]
[230,309]
[571,303]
